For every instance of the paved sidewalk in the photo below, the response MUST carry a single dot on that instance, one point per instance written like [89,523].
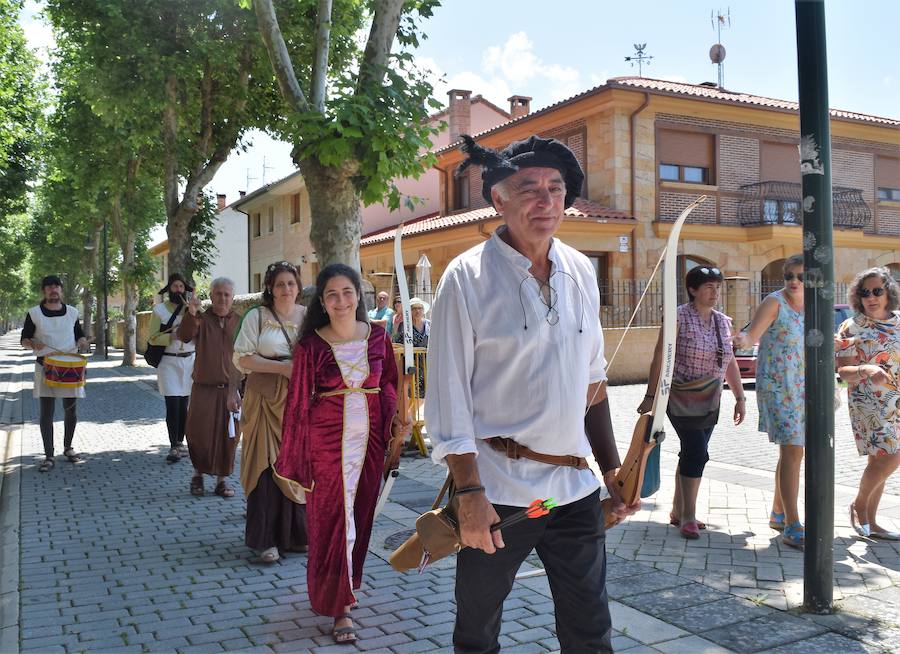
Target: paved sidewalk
[113,554]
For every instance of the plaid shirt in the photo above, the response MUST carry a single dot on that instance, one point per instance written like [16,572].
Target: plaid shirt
[696,345]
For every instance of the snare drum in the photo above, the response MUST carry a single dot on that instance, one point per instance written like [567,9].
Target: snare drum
[63,370]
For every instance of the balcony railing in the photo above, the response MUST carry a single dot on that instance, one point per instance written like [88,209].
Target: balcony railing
[779,203]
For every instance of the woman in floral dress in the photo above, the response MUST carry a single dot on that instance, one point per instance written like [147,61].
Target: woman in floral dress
[780,392]
[869,361]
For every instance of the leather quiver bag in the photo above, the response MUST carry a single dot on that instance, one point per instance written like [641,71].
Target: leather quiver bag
[263,383]
[437,532]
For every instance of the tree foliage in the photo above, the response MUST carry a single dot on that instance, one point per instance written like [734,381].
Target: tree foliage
[367,125]
[21,98]
[185,76]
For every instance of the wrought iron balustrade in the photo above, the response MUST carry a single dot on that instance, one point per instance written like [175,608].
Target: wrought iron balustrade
[780,203]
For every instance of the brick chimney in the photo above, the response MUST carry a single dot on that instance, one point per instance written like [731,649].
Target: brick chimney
[519,105]
[460,113]
[220,199]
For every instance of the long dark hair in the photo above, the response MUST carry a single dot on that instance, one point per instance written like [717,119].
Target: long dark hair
[316,316]
[275,269]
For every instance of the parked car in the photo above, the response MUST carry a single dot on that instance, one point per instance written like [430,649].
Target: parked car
[746,357]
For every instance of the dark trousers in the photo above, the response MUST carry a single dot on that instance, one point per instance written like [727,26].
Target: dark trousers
[176,418]
[70,419]
[571,543]
[694,452]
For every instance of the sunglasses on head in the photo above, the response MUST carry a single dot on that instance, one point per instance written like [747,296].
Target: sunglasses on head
[710,271]
[788,277]
[877,292]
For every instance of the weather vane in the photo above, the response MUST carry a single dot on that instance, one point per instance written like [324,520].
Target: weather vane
[640,57]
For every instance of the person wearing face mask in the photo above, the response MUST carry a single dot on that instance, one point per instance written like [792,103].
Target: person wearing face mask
[54,327]
[173,375]
[869,361]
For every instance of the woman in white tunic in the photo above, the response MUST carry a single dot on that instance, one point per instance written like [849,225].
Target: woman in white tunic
[173,376]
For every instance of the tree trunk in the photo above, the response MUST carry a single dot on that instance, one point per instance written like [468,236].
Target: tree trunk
[177,230]
[336,218]
[89,295]
[129,341]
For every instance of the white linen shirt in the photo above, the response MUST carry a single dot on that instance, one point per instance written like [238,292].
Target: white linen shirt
[490,376]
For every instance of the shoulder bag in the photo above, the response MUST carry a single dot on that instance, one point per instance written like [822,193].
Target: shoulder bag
[153,354]
[266,383]
[695,404]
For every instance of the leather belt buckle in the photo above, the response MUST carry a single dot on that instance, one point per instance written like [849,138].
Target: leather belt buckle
[512,449]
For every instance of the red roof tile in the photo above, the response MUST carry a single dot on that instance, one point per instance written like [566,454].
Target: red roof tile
[581,210]
[691,90]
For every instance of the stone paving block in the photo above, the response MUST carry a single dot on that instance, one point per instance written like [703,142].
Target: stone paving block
[637,584]
[690,645]
[722,612]
[413,646]
[529,635]
[763,633]
[640,626]
[829,642]
[670,599]
[206,648]
[236,645]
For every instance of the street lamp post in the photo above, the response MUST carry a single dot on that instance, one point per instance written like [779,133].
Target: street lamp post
[105,289]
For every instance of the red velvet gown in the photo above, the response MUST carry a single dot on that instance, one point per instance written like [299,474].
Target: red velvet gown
[337,424]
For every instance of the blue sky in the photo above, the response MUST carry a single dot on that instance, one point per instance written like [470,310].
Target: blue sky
[553,50]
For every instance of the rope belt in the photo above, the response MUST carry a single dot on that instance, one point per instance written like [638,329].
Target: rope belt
[515,451]
[347,391]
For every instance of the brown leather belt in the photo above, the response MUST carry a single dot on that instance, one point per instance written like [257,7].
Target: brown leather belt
[515,451]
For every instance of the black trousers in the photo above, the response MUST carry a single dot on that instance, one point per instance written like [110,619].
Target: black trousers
[176,418]
[694,452]
[571,543]
[70,419]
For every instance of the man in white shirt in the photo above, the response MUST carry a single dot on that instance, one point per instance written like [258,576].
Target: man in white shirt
[52,327]
[515,357]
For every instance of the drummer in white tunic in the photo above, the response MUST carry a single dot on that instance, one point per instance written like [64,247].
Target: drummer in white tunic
[52,327]
[173,376]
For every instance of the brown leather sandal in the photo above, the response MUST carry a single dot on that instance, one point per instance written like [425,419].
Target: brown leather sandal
[223,490]
[197,485]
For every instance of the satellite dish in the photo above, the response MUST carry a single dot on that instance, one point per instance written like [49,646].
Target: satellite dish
[717,53]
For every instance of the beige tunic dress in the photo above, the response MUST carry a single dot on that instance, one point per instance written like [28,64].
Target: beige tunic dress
[261,415]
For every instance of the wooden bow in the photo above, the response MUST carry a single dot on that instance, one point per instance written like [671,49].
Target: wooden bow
[649,430]
[406,373]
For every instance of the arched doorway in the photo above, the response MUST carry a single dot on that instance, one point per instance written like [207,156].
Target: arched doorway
[772,277]
[895,270]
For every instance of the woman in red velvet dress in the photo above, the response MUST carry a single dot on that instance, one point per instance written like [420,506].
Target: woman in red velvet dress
[337,426]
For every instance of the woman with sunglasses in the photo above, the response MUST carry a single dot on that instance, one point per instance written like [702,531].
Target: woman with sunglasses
[703,359]
[780,392]
[869,361]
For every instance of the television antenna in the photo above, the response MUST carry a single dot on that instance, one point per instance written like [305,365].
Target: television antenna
[718,20]
[640,57]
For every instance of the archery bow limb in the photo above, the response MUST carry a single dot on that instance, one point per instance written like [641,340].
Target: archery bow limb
[648,432]
[405,376]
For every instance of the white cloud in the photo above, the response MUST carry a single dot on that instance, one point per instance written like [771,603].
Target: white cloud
[38,33]
[887,81]
[514,68]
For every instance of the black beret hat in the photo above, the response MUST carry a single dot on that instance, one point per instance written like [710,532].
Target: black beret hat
[175,277]
[533,152]
[51,280]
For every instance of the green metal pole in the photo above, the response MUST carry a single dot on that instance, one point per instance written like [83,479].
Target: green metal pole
[105,288]
[818,253]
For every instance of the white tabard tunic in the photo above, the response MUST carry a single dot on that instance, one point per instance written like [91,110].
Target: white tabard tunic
[173,376]
[490,376]
[58,334]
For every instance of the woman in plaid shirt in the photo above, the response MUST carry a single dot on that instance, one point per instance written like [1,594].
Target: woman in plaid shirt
[703,359]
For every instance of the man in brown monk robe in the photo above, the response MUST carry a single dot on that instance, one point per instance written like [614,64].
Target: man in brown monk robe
[215,396]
